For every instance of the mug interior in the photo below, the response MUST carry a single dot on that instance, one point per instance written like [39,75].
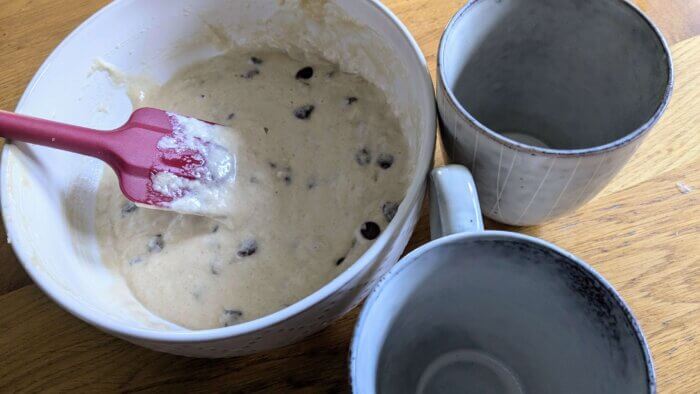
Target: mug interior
[48,196]
[557,74]
[498,313]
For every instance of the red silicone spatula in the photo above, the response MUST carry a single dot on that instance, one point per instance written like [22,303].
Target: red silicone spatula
[131,150]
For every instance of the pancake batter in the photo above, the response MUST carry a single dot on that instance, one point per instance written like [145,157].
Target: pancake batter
[321,165]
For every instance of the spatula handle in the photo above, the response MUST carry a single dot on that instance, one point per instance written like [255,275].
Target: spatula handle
[54,134]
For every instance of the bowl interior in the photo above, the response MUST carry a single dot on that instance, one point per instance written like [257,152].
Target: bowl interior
[48,196]
[497,313]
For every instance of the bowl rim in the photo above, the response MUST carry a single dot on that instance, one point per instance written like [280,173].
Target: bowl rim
[69,302]
[405,262]
[484,130]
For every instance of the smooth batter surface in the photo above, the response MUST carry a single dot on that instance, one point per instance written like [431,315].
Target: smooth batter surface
[321,165]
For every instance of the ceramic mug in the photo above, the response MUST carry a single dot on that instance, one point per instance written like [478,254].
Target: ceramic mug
[479,311]
[546,100]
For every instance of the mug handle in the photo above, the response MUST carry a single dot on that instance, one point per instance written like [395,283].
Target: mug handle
[454,202]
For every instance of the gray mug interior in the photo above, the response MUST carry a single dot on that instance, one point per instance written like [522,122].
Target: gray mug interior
[560,74]
[500,314]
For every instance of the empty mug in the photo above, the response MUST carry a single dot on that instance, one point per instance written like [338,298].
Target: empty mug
[484,312]
[546,100]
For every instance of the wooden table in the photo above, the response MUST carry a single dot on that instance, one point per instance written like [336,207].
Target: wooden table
[641,233]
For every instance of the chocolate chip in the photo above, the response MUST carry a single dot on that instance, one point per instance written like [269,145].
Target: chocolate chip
[247,248]
[202,96]
[230,317]
[351,100]
[311,184]
[370,230]
[363,157]
[156,244]
[231,116]
[215,229]
[340,261]
[250,74]
[231,312]
[304,112]
[284,174]
[389,210]
[305,73]
[385,161]
[272,164]
[256,60]
[128,207]
[266,130]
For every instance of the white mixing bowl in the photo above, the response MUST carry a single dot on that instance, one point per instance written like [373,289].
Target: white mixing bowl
[48,196]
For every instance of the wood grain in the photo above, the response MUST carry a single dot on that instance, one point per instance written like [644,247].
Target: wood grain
[678,19]
[642,233]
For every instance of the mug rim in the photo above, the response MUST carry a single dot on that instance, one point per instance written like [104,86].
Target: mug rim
[73,303]
[519,146]
[415,255]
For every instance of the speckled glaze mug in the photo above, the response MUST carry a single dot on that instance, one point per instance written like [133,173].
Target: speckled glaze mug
[485,312]
[546,100]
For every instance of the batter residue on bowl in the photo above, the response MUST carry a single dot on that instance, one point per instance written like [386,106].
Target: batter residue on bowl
[321,165]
